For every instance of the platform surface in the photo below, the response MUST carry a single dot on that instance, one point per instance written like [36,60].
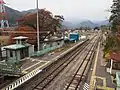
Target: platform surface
[32,63]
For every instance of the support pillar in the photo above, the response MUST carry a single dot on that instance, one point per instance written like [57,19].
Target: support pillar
[111,64]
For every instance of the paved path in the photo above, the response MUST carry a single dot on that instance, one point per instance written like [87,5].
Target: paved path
[99,74]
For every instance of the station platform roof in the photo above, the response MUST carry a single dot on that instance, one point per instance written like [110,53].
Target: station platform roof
[20,37]
[16,46]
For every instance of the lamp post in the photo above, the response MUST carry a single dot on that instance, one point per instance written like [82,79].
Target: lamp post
[38,36]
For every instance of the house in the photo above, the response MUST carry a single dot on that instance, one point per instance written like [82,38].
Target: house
[49,45]
[57,42]
[113,65]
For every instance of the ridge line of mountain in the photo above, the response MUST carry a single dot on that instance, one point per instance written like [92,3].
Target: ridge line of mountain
[13,15]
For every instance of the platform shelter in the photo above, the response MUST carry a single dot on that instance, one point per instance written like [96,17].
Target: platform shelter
[16,52]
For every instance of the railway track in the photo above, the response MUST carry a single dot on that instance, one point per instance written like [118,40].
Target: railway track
[42,77]
[44,83]
[81,71]
[49,74]
[40,73]
[65,77]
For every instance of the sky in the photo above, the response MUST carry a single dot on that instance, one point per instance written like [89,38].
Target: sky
[71,9]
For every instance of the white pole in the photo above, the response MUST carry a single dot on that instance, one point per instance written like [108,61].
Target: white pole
[111,66]
[38,38]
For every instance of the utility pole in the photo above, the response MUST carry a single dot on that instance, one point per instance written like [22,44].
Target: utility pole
[38,34]
[0,52]
[3,18]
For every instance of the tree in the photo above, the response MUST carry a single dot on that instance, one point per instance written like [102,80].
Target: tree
[112,41]
[115,17]
[48,22]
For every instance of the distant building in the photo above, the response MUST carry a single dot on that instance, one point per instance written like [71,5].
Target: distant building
[96,28]
[7,35]
[23,31]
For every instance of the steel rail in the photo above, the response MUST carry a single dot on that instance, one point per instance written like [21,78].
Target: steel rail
[72,80]
[17,83]
[50,79]
[91,57]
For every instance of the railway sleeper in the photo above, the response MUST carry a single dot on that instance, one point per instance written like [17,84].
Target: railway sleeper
[87,69]
[71,88]
[79,75]
[38,88]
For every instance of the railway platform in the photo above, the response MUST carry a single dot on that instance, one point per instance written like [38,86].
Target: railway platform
[34,65]
[98,74]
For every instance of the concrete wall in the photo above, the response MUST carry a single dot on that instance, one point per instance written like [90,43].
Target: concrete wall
[31,50]
[18,56]
[4,53]
[14,58]
[56,44]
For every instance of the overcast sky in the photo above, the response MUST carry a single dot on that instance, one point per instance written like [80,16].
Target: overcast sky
[77,9]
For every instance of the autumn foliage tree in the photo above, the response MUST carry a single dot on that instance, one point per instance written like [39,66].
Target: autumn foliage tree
[113,39]
[48,23]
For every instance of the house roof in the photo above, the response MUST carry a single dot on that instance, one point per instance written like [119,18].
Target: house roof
[115,56]
[52,40]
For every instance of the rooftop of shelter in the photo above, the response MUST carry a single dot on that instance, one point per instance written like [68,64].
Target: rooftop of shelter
[14,46]
[20,37]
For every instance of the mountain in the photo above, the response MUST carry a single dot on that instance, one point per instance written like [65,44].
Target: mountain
[85,23]
[29,11]
[13,15]
[104,22]
[88,24]
[79,24]
[67,24]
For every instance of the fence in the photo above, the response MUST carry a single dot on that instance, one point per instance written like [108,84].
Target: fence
[42,52]
[10,69]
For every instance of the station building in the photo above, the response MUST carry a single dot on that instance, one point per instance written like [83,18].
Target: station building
[14,54]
